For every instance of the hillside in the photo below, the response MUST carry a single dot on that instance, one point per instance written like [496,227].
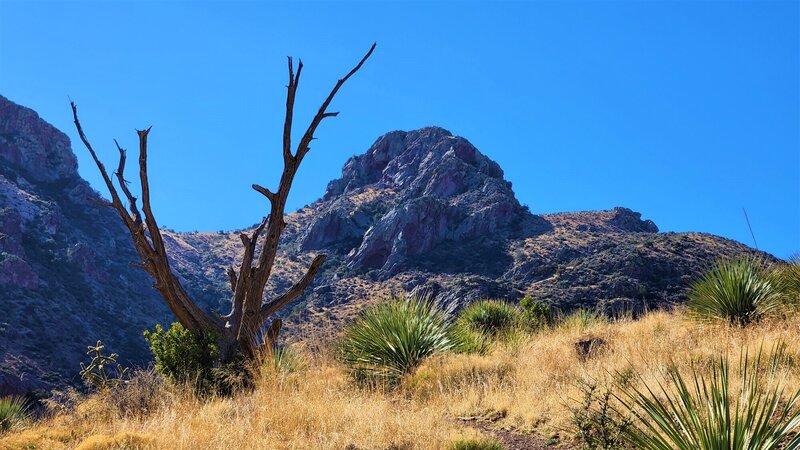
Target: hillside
[421,211]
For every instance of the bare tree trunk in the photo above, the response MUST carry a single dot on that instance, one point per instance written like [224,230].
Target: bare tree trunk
[241,332]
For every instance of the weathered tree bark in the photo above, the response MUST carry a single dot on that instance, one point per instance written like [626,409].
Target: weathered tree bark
[241,332]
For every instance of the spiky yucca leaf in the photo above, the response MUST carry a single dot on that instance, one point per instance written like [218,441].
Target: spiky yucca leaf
[391,339]
[702,412]
[738,291]
[13,410]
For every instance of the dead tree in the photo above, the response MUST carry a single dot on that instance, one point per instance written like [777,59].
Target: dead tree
[241,332]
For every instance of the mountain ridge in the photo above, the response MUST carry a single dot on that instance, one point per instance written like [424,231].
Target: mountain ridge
[421,211]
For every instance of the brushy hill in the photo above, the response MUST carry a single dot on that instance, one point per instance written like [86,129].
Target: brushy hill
[420,211]
[524,391]
[426,212]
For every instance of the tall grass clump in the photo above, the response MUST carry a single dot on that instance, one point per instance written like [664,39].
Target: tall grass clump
[391,339]
[705,412]
[738,291]
[491,317]
[13,410]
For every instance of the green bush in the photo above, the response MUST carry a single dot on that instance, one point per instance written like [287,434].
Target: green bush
[738,291]
[469,340]
[490,316]
[391,339]
[702,412]
[536,313]
[477,444]
[184,357]
[13,410]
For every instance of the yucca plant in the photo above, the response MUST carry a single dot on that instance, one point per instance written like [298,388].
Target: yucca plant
[13,410]
[391,339]
[490,316]
[739,291]
[788,275]
[703,412]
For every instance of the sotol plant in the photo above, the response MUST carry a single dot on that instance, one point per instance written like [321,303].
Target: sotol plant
[703,412]
[13,410]
[391,339]
[490,316]
[738,291]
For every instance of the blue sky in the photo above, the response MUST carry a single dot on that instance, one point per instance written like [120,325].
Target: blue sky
[684,111]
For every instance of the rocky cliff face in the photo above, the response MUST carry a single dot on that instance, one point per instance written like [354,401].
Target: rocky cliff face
[420,212]
[65,278]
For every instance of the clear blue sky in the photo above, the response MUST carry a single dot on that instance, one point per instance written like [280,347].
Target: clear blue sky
[685,111]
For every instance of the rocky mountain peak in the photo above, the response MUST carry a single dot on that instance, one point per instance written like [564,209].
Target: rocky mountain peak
[409,192]
[36,149]
[430,161]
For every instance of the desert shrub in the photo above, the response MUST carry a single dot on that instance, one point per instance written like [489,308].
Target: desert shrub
[13,410]
[184,357]
[102,372]
[701,411]
[490,316]
[477,444]
[144,393]
[596,424]
[391,339]
[788,275]
[536,313]
[467,339]
[737,291]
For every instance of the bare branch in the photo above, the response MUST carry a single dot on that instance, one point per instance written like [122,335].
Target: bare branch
[302,148]
[124,184]
[265,192]
[267,309]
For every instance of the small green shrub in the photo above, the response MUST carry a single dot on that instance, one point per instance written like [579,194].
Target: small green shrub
[490,316]
[184,357]
[788,275]
[738,291]
[469,340]
[391,339]
[702,412]
[103,371]
[13,410]
[536,314]
[477,444]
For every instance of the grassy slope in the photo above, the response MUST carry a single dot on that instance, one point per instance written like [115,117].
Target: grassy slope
[526,383]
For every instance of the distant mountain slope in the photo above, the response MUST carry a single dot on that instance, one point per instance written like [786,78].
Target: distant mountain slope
[65,274]
[420,211]
[425,211]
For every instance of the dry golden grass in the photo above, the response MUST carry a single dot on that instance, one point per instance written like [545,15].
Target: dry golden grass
[526,382]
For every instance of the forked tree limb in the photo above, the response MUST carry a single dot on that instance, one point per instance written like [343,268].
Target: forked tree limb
[240,331]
